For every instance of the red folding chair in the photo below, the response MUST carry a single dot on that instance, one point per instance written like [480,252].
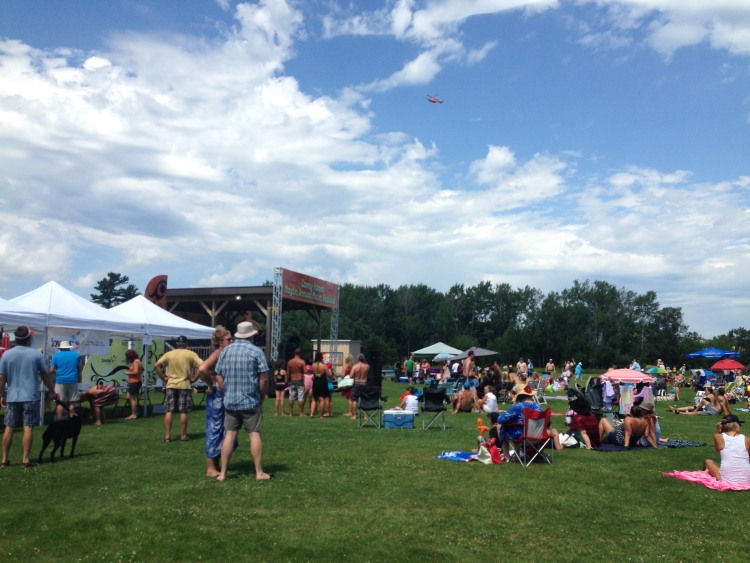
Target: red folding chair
[535,440]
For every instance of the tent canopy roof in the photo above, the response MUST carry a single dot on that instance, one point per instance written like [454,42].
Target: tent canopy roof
[64,309]
[478,353]
[713,353]
[160,323]
[15,315]
[435,349]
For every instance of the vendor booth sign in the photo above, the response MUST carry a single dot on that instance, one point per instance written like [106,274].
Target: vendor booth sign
[110,369]
[85,342]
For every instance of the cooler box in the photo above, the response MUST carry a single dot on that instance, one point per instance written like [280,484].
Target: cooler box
[398,419]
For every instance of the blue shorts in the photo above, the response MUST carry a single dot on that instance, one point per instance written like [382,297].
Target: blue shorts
[28,411]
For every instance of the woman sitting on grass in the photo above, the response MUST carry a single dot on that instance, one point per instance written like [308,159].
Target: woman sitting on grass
[733,449]
[633,428]
[707,407]
[488,403]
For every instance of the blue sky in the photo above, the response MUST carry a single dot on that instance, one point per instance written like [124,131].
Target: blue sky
[214,140]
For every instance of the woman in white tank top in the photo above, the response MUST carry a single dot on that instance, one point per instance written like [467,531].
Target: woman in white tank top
[734,449]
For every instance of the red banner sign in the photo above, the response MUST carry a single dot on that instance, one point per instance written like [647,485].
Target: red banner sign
[301,287]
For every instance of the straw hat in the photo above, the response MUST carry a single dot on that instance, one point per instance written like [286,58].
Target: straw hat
[65,345]
[521,390]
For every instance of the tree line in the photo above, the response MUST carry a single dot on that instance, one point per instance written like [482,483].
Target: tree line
[595,322]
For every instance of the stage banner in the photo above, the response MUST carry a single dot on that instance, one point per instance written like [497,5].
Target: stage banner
[85,342]
[301,287]
[110,369]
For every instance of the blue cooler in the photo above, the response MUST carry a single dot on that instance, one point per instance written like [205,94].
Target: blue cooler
[398,419]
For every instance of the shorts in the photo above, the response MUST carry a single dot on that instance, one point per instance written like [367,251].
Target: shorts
[28,411]
[68,392]
[409,374]
[134,389]
[178,400]
[297,391]
[281,386]
[509,385]
[251,420]
[356,391]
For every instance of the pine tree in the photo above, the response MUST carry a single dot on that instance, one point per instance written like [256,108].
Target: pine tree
[113,290]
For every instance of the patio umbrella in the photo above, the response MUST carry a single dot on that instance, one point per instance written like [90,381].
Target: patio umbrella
[478,353]
[727,364]
[713,353]
[656,369]
[626,376]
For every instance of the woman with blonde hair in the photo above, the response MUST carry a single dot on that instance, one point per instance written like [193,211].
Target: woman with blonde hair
[733,447]
[215,430]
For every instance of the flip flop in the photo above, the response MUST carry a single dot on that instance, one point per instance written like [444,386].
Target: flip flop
[30,464]
[167,440]
[185,439]
[5,464]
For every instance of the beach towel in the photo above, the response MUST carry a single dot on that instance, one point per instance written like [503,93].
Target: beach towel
[457,456]
[681,444]
[670,444]
[704,478]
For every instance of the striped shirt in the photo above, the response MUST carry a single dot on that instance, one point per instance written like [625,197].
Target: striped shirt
[240,365]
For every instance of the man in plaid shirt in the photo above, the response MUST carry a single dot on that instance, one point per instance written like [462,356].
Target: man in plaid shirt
[242,374]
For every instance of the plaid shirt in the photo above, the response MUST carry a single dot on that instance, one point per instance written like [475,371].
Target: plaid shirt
[240,365]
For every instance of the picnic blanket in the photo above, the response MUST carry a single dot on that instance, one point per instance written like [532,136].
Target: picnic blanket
[670,444]
[457,456]
[704,478]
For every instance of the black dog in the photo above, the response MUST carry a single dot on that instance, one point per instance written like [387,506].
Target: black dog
[59,431]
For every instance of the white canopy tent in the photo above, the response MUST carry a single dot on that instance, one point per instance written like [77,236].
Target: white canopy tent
[159,324]
[64,309]
[60,308]
[14,315]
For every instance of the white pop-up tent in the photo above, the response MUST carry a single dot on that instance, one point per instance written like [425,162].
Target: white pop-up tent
[159,324]
[14,315]
[65,309]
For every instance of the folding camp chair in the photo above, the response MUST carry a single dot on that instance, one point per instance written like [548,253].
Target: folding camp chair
[433,408]
[369,409]
[535,440]
[539,395]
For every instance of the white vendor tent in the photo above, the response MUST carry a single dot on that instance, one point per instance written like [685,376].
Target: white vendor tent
[15,315]
[160,323]
[65,309]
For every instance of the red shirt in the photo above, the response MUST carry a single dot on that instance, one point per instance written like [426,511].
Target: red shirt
[590,425]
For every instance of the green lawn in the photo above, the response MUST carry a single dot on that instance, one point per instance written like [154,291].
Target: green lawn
[343,494]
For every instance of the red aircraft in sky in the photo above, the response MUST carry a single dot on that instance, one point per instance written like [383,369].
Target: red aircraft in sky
[434,100]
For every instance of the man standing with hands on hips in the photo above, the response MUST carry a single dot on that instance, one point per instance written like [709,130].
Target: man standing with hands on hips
[183,372]
[243,373]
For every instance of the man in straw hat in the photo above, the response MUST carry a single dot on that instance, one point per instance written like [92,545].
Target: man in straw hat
[67,368]
[243,373]
[511,421]
[20,369]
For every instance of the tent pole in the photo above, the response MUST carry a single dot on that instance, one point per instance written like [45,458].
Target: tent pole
[44,387]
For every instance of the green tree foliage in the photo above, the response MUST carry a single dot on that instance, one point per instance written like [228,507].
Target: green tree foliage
[594,322]
[113,290]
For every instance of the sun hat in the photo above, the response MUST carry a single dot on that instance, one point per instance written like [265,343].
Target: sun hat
[731,418]
[520,390]
[245,330]
[647,405]
[65,345]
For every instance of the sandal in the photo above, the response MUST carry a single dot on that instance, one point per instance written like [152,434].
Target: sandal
[167,440]
[185,439]
[5,464]
[30,464]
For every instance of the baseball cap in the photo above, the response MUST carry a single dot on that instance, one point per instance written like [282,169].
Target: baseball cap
[23,332]
[731,418]
[182,340]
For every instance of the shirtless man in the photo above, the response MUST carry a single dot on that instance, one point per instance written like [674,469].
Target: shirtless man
[510,380]
[295,369]
[360,371]
[522,369]
[469,366]
[465,401]
[550,368]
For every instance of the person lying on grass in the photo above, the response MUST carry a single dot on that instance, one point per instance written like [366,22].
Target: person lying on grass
[633,428]
[708,406]
[511,421]
[733,449]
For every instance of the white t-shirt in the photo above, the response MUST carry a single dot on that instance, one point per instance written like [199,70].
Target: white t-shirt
[490,402]
[412,404]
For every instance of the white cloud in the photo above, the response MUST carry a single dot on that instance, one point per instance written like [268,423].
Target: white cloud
[477,55]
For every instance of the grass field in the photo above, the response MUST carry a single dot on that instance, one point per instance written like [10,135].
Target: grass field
[343,494]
